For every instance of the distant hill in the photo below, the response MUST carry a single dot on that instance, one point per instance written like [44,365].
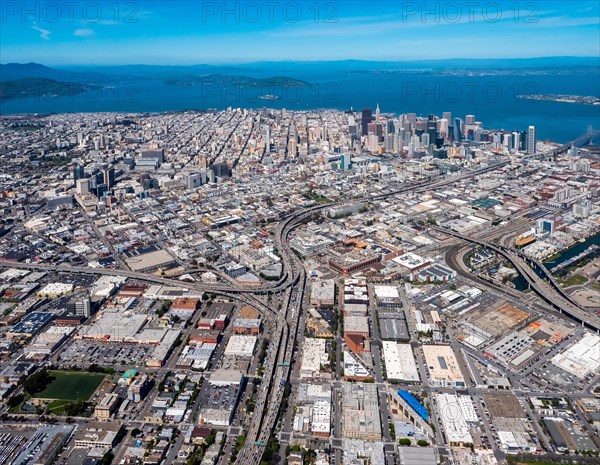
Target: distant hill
[194,74]
[11,71]
[41,88]
[243,81]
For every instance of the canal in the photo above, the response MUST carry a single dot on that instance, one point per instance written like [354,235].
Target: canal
[577,248]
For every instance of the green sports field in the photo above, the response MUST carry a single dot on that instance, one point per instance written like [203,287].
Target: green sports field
[71,385]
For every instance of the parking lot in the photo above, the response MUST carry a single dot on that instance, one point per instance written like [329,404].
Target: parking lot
[84,353]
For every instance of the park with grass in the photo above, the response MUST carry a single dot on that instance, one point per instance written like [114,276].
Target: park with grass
[71,385]
[62,392]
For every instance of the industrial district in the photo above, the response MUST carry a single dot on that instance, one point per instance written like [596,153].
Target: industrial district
[262,287]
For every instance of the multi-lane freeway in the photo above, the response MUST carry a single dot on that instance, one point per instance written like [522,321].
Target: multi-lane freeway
[278,364]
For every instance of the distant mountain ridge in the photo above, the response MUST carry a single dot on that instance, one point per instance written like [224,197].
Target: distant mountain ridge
[11,71]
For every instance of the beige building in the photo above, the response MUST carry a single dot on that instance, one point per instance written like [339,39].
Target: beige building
[105,408]
[443,366]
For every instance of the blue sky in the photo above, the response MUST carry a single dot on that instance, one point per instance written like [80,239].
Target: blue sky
[113,32]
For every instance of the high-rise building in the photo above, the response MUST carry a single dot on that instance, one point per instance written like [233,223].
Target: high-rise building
[346,161]
[109,177]
[267,140]
[78,173]
[83,186]
[377,114]
[523,141]
[470,119]
[192,180]
[366,118]
[457,130]
[546,224]
[516,140]
[101,190]
[531,140]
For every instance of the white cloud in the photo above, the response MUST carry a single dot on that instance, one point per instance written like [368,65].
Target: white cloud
[44,33]
[84,32]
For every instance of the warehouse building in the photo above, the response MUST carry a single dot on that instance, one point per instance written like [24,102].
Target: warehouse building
[443,366]
[241,346]
[392,326]
[400,362]
[30,325]
[582,358]
[454,419]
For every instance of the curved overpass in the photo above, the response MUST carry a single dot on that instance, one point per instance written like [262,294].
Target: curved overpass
[549,292]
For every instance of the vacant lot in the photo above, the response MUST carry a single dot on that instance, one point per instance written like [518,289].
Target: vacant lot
[71,385]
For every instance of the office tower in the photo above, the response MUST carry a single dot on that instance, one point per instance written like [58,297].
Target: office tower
[220,170]
[442,126]
[267,140]
[192,180]
[531,140]
[432,131]
[346,161]
[389,143]
[546,224]
[366,118]
[582,209]
[523,141]
[516,140]
[109,177]
[373,143]
[83,186]
[78,173]
[447,115]
[377,114]
[457,130]
[470,119]
[79,306]
[391,128]
[101,190]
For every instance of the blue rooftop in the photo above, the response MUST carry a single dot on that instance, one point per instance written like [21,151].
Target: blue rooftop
[414,404]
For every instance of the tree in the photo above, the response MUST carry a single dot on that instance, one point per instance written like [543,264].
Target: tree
[404,442]
[37,382]
[108,458]
[75,409]
[15,400]
[422,443]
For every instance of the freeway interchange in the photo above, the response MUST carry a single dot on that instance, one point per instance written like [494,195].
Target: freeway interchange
[291,288]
